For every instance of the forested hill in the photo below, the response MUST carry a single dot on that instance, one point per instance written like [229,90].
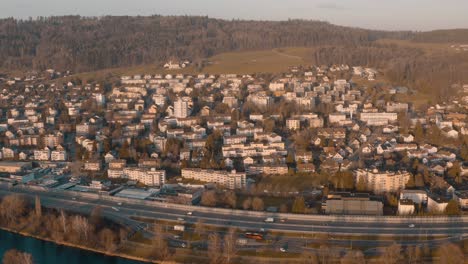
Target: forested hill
[459,36]
[84,44]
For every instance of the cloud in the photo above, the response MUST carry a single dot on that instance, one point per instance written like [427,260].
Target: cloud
[332,6]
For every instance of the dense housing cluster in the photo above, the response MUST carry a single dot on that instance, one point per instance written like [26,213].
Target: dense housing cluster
[172,137]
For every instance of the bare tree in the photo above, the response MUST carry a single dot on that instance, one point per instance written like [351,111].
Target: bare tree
[414,253]
[230,199]
[199,227]
[257,204]
[14,256]
[450,254]
[214,248]
[95,217]
[38,207]
[229,246]
[82,228]
[392,254]
[247,204]
[108,240]
[308,258]
[353,257]
[160,247]
[63,220]
[208,198]
[12,208]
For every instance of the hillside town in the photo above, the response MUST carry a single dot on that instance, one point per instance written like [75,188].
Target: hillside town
[323,139]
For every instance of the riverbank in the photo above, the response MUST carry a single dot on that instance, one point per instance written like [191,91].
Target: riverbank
[76,246]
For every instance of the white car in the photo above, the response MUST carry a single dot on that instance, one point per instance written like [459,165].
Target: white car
[189,213]
[119,203]
[115,209]
[283,249]
[411,225]
[180,219]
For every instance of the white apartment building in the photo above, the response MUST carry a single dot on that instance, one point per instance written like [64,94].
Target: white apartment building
[378,119]
[181,108]
[260,100]
[58,155]
[232,180]
[150,177]
[380,182]
[293,124]
[42,154]
[417,196]
[254,150]
[115,173]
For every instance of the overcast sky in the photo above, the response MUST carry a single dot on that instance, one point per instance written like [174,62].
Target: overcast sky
[375,14]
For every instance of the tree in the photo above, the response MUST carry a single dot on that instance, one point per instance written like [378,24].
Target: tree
[108,240]
[257,204]
[464,151]
[95,217]
[199,227]
[391,255]
[418,131]
[214,248]
[353,257]
[308,258]
[414,254]
[38,207]
[299,205]
[452,208]
[418,180]
[208,198]
[283,208]
[12,208]
[14,256]
[361,185]
[229,246]
[247,204]
[230,199]
[450,254]
[160,248]
[411,182]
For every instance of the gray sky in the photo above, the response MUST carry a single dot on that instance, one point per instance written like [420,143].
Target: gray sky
[375,14]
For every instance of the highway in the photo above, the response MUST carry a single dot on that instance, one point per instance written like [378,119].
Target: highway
[127,212]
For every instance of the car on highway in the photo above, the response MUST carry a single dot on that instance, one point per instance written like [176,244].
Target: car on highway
[119,203]
[180,219]
[411,225]
[74,198]
[189,213]
[282,220]
[115,209]
[269,220]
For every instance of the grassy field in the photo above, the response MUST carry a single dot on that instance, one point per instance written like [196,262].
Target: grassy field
[270,61]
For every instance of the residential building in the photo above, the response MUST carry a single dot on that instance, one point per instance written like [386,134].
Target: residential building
[405,207]
[380,182]
[232,179]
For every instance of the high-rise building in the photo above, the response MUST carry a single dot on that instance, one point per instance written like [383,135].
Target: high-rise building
[181,108]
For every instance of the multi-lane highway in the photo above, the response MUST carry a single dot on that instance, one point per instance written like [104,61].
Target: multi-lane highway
[126,213]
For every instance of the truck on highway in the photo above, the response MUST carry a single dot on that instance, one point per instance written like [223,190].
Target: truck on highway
[179,228]
[269,220]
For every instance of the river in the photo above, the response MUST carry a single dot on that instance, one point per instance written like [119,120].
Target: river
[44,252]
